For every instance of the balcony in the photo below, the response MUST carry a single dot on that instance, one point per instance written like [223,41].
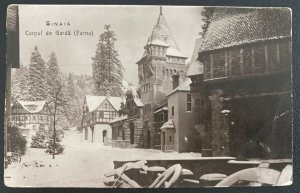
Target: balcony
[247,61]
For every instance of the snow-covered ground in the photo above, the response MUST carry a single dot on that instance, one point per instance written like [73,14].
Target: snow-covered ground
[83,164]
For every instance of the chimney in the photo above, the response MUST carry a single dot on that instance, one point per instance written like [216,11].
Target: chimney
[175,80]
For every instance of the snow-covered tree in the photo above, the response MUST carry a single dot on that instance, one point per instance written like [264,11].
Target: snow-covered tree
[19,84]
[36,74]
[107,68]
[73,107]
[55,93]
[53,77]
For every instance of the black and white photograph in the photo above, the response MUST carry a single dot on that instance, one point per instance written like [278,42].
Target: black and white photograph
[148,96]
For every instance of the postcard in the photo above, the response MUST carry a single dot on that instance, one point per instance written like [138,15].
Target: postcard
[128,96]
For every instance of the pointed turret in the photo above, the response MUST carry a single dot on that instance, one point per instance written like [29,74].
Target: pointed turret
[162,36]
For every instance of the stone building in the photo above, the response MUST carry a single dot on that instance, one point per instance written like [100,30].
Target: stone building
[127,126]
[98,111]
[30,117]
[162,59]
[246,55]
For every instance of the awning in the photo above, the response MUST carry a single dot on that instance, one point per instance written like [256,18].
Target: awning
[161,109]
[168,125]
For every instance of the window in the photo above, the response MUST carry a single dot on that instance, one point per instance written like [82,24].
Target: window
[170,138]
[219,65]
[147,87]
[188,102]
[173,110]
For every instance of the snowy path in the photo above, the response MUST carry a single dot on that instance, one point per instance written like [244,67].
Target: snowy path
[82,164]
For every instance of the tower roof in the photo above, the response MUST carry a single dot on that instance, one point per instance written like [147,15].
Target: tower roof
[162,35]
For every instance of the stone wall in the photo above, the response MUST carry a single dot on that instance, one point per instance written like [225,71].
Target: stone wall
[137,130]
[219,125]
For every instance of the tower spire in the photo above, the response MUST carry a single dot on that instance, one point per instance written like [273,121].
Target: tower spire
[160,10]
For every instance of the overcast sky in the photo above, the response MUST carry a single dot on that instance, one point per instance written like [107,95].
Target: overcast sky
[132,25]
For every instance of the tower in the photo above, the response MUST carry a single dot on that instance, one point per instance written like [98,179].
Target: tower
[161,60]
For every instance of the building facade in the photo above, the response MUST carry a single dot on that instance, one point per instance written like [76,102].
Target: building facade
[98,111]
[31,116]
[127,126]
[162,59]
[247,81]
[179,132]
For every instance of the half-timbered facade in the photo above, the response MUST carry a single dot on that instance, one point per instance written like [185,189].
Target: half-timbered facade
[98,111]
[246,55]
[31,116]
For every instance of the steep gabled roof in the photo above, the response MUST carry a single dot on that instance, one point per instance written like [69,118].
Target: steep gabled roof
[33,106]
[185,86]
[115,102]
[237,26]
[93,102]
[195,66]
[162,35]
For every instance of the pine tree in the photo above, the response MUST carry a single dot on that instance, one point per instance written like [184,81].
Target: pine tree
[107,68]
[73,107]
[19,84]
[36,75]
[53,77]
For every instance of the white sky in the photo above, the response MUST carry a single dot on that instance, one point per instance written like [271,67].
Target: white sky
[132,25]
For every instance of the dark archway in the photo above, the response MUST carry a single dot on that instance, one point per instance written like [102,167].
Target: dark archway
[148,139]
[131,126]
[104,135]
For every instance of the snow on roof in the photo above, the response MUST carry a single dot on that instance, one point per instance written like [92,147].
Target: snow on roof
[162,35]
[185,86]
[162,32]
[158,42]
[138,102]
[33,106]
[237,26]
[119,118]
[168,125]
[174,52]
[115,101]
[93,102]
[195,68]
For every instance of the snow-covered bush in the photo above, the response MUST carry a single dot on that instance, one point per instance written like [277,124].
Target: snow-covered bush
[58,147]
[38,140]
[16,141]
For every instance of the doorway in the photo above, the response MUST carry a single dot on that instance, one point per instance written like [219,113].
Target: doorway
[131,126]
[148,139]
[92,128]
[104,135]
[163,140]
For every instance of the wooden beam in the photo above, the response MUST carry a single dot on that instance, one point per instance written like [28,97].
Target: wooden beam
[252,60]
[267,59]
[230,63]
[242,61]
[226,63]
[278,55]
[211,65]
